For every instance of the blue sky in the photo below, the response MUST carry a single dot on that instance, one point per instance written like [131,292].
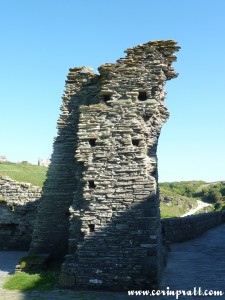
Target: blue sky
[41,40]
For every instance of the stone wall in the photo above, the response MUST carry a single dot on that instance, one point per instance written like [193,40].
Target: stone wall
[177,230]
[100,203]
[18,206]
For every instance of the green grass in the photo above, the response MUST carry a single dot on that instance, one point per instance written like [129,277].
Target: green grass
[24,281]
[179,202]
[183,196]
[26,260]
[175,210]
[35,278]
[205,210]
[24,172]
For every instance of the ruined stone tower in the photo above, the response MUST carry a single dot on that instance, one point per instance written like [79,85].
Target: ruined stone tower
[100,204]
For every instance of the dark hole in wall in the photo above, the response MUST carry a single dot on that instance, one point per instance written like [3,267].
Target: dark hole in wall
[91,184]
[91,227]
[142,96]
[154,173]
[10,228]
[67,213]
[106,97]
[12,208]
[135,143]
[92,142]
[146,118]
[153,91]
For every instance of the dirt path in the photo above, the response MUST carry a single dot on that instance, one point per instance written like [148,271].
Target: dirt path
[201,205]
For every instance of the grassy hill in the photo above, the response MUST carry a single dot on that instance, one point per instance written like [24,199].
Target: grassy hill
[175,205]
[24,172]
[179,197]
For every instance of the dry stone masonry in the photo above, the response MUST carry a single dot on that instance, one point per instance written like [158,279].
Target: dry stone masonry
[177,230]
[100,203]
[18,207]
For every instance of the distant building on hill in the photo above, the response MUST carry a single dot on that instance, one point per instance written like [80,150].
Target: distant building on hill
[45,162]
[3,158]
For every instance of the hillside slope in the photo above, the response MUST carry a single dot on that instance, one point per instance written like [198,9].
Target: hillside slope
[177,198]
[24,172]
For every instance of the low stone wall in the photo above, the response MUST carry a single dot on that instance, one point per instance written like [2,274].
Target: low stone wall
[177,230]
[18,206]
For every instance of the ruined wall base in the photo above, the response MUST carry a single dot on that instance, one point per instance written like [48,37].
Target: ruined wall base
[18,208]
[176,230]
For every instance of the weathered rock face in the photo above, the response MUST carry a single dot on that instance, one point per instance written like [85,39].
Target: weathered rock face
[100,202]
[18,207]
